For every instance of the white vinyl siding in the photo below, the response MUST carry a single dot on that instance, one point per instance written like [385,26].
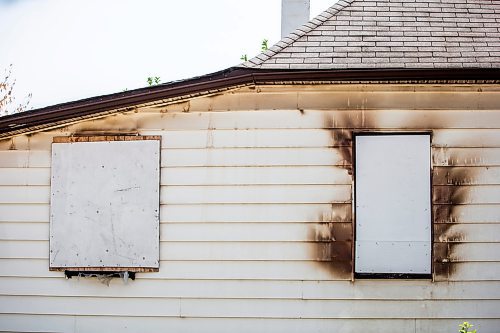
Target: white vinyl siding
[227,265]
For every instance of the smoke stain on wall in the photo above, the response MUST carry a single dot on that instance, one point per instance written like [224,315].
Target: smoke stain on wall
[333,248]
[447,195]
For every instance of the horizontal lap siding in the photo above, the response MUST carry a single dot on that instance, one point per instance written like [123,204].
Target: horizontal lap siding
[249,201]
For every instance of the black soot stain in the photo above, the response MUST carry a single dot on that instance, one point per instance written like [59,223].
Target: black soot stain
[341,127]
[447,195]
[332,246]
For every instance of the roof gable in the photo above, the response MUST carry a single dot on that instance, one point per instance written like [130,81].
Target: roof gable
[392,34]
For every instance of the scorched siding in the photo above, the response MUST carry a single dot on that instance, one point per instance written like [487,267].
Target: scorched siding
[256,218]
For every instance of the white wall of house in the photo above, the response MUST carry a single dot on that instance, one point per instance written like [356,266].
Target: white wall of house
[256,207]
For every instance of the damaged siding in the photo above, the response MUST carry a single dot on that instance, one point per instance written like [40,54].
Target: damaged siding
[256,218]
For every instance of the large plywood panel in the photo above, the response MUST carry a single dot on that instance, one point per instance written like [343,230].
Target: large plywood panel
[393,213]
[104,205]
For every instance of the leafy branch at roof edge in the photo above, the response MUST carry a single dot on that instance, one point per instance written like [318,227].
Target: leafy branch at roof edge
[263,47]
[155,80]
[7,99]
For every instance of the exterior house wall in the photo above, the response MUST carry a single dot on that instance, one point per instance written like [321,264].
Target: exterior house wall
[256,217]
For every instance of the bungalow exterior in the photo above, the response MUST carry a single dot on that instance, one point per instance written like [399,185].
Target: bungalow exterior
[345,180]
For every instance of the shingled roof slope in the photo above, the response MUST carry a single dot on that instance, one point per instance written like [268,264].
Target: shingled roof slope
[392,34]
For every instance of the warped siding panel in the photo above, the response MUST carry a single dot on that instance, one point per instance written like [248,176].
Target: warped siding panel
[25,176]
[465,194]
[465,233]
[251,157]
[467,213]
[256,213]
[273,175]
[254,194]
[476,138]
[466,157]
[473,176]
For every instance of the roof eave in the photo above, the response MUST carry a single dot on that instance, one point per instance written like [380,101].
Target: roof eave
[231,77]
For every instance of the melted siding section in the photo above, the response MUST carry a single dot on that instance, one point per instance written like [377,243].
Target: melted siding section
[256,223]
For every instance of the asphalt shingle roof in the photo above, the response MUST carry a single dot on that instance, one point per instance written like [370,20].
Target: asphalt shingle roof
[392,34]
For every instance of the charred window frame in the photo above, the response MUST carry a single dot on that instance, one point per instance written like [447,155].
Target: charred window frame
[105,196]
[386,258]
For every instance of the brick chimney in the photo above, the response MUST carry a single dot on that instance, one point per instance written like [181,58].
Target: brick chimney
[294,13]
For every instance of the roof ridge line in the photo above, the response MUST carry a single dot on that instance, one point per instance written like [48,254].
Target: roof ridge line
[296,34]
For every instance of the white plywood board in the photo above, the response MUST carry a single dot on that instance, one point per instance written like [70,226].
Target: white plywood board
[105,204]
[393,212]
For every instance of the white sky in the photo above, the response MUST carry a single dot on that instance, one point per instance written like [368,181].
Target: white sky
[64,50]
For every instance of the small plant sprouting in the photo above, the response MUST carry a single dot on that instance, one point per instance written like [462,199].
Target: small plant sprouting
[153,80]
[264,45]
[464,328]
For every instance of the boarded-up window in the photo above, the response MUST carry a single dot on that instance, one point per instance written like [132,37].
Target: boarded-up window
[105,203]
[392,204]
